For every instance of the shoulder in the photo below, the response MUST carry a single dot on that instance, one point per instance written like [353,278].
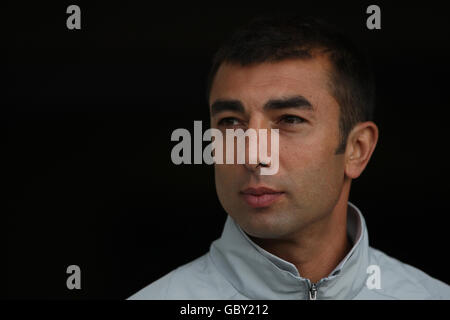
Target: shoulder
[198,279]
[403,281]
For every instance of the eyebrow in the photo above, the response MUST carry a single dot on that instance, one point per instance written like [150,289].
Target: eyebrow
[226,105]
[298,102]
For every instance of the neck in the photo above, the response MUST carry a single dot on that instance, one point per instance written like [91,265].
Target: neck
[317,249]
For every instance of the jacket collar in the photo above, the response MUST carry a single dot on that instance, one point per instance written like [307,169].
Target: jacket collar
[258,274]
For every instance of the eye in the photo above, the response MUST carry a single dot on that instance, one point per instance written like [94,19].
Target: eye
[228,122]
[290,119]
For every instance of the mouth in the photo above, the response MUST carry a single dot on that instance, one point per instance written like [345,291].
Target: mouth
[260,197]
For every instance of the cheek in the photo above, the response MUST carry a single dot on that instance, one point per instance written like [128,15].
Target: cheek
[312,164]
[221,183]
[296,154]
[226,176]
[220,172]
[228,183]
[313,148]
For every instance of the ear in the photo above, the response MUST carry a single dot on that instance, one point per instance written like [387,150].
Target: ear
[361,143]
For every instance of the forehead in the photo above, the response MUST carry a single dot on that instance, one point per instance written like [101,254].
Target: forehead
[255,84]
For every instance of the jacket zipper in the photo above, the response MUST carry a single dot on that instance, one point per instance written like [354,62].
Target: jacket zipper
[313,292]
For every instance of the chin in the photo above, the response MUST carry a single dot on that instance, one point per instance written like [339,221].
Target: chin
[264,223]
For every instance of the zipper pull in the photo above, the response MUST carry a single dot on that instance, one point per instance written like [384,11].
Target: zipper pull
[313,292]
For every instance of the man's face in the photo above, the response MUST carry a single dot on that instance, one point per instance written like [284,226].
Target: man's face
[309,181]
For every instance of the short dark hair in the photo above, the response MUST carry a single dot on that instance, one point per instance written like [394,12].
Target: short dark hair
[278,37]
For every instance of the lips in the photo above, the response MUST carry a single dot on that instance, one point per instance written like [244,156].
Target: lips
[260,197]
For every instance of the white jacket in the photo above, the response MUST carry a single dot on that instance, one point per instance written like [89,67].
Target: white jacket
[236,268]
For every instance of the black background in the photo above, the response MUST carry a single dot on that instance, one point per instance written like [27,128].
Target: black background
[89,113]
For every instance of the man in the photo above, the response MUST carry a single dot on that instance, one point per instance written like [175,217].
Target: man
[294,235]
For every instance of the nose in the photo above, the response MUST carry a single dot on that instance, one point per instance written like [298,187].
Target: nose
[262,129]
[255,167]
